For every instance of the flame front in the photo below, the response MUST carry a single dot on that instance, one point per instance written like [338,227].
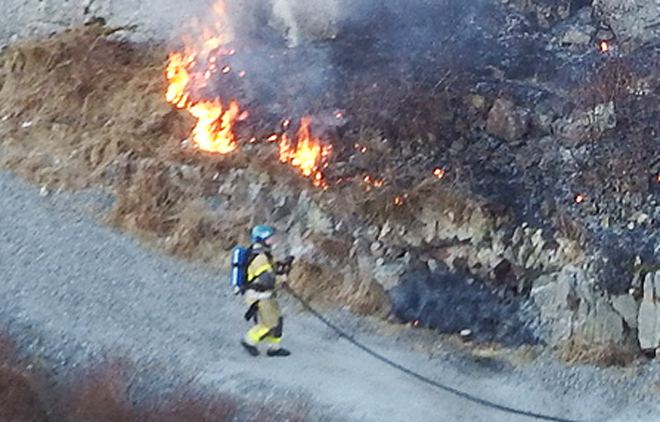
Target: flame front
[214,129]
[309,153]
[190,71]
[179,78]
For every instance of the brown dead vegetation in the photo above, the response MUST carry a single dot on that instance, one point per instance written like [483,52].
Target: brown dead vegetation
[80,110]
[577,350]
[103,394]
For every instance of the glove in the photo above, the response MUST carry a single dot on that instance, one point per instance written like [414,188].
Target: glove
[284,267]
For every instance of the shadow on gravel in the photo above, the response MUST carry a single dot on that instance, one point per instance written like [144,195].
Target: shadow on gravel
[106,393]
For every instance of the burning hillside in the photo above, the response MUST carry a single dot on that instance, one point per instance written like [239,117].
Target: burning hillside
[478,142]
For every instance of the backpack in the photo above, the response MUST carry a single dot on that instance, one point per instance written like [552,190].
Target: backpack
[240,260]
[239,263]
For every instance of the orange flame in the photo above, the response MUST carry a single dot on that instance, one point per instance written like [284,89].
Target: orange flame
[179,78]
[604,46]
[214,129]
[308,155]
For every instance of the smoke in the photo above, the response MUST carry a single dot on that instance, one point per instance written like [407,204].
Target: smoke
[310,57]
[301,55]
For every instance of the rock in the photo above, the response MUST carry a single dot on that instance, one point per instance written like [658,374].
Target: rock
[517,236]
[570,305]
[551,297]
[386,230]
[319,221]
[641,218]
[433,265]
[649,313]
[377,249]
[373,232]
[627,307]
[506,121]
[585,126]
[578,36]
[388,275]
[546,13]
[602,323]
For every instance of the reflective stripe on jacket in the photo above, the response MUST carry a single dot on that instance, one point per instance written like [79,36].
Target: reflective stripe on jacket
[259,265]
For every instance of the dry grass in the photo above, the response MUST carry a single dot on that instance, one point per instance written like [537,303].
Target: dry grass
[577,350]
[76,102]
[103,394]
[79,110]
[20,396]
[317,284]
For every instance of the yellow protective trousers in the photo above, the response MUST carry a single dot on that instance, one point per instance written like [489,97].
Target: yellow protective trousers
[269,323]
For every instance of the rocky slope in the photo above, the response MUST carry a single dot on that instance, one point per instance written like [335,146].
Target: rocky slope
[548,215]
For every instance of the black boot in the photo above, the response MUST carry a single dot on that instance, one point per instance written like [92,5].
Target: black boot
[250,348]
[278,352]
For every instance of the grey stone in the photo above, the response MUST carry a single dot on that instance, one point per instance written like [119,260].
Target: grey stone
[649,315]
[388,275]
[433,265]
[377,249]
[603,324]
[578,36]
[569,304]
[551,297]
[627,307]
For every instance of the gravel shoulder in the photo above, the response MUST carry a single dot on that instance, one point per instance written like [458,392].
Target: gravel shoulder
[74,292]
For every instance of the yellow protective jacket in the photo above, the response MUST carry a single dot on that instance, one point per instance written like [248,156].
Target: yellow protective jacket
[261,281]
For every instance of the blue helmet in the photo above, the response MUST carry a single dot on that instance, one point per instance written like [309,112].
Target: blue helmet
[260,233]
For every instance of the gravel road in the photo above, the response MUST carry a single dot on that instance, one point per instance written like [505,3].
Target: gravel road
[74,291]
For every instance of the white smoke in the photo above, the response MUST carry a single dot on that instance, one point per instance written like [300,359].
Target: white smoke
[305,20]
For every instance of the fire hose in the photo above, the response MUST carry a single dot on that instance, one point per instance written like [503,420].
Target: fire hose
[351,339]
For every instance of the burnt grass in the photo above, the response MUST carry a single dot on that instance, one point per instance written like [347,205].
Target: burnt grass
[416,82]
[107,392]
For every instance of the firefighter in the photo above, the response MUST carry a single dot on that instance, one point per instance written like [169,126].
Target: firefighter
[260,295]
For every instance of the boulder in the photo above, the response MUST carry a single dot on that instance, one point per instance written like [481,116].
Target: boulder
[578,36]
[507,121]
[552,298]
[571,305]
[319,221]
